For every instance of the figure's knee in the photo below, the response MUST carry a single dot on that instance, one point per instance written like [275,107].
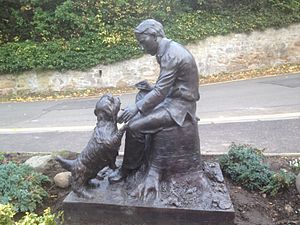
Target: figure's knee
[134,130]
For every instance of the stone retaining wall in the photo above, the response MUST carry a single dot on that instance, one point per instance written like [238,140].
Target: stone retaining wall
[231,53]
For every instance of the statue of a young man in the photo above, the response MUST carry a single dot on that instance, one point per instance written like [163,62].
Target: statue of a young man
[166,178]
[170,102]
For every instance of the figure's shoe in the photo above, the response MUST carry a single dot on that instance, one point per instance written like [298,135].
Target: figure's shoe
[117,176]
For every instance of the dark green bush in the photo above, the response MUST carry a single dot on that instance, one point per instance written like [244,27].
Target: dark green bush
[68,34]
[279,181]
[245,165]
[21,186]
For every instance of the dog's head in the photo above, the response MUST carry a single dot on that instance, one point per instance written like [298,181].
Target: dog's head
[107,108]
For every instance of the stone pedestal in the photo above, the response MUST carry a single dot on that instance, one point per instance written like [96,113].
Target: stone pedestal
[197,198]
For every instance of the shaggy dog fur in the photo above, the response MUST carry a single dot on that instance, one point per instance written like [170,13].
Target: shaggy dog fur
[102,148]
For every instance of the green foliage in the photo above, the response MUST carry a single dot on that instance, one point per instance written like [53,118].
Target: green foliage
[68,34]
[46,219]
[245,165]
[7,212]
[1,157]
[21,187]
[279,181]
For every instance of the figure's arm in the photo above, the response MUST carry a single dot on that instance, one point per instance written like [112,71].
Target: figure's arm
[169,66]
[144,85]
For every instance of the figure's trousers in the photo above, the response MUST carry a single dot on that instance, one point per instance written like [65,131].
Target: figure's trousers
[138,132]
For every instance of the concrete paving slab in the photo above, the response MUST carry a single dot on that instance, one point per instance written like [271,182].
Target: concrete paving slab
[233,111]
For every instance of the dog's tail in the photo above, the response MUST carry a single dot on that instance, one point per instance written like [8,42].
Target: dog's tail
[65,163]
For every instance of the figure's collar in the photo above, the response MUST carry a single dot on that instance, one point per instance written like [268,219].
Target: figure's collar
[162,47]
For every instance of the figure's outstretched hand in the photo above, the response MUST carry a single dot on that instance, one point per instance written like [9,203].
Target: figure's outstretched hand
[144,85]
[128,113]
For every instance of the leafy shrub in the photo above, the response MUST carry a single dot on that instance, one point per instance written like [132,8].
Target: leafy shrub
[68,34]
[21,187]
[279,181]
[245,165]
[7,212]
[47,218]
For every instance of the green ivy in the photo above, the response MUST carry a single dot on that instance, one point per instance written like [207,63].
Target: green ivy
[21,186]
[68,34]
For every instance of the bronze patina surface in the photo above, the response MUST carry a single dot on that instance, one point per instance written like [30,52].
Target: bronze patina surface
[161,179]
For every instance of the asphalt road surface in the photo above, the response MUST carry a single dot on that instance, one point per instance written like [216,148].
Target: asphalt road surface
[264,112]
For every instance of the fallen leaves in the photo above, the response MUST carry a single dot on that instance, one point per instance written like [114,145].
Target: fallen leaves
[249,74]
[50,96]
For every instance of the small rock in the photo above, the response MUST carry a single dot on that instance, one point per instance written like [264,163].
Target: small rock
[38,162]
[63,179]
[289,209]
[298,183]
[264,195]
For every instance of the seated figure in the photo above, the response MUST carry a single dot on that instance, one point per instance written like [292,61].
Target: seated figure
[163,117]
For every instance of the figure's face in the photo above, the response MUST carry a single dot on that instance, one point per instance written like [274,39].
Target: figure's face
[148,43]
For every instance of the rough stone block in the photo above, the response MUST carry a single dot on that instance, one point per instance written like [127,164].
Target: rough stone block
[110,207]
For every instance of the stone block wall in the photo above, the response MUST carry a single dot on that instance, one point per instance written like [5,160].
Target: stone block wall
[237,52]
[231,53]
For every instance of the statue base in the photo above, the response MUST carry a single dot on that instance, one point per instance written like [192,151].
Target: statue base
[199,197]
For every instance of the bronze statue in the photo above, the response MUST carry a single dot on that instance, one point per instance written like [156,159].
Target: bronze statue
[102,148]
[171,102]
[162,179]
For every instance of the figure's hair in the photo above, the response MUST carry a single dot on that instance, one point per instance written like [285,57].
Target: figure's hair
[150,26]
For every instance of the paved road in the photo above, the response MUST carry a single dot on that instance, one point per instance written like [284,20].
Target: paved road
[264,112]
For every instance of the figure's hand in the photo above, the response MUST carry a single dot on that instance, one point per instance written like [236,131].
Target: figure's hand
[123,128]
[143,85]
[128,113]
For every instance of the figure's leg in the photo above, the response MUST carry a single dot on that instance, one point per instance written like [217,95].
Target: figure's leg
[152,123]
[133,155]
[138,127]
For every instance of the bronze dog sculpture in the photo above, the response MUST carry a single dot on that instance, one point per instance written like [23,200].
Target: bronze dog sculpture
[102,148]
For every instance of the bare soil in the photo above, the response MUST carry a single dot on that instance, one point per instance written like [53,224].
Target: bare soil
[251,208]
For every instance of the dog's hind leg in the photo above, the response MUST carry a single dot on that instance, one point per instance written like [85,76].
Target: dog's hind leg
[79,182]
